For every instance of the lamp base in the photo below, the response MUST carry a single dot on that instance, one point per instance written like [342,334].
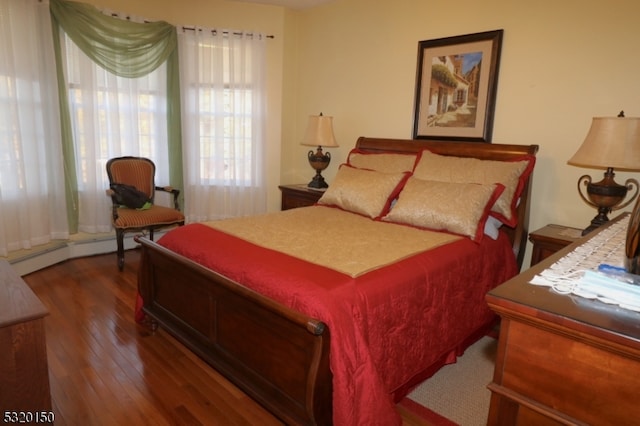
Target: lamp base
[318,182]
[606,195]
[319,161]
[596,222]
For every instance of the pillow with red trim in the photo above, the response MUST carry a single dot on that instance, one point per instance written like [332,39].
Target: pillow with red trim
[513,174]
[459,208]
[386,162]
[366,192]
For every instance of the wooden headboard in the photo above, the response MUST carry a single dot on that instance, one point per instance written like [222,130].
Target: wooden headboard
[484,151]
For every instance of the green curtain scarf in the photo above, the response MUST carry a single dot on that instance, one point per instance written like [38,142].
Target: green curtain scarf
[126,49]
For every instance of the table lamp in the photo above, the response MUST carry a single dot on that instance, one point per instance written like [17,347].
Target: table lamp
[319,133]
[612,142]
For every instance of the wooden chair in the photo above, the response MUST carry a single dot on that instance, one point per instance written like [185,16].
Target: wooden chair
[139,172]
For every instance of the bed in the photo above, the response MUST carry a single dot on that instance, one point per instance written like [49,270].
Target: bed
[330,326]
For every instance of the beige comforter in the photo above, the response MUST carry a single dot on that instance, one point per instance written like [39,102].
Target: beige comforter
[346,242]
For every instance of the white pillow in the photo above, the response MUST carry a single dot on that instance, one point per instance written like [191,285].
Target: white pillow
[492,227]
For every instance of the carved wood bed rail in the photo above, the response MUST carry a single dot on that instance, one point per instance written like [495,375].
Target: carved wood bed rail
[276,355]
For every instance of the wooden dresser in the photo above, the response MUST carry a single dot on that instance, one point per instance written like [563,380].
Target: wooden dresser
[563,359]
[24,373]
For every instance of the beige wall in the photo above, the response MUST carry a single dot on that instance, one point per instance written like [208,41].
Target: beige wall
[563,62]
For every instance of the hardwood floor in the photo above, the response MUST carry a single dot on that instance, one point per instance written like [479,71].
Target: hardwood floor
[104,369]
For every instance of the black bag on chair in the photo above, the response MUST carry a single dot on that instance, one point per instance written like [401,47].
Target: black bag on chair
[129,196]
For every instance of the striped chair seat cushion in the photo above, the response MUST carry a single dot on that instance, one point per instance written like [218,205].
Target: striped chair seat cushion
[155,215]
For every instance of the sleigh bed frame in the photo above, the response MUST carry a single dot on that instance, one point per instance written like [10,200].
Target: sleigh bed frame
[276,355]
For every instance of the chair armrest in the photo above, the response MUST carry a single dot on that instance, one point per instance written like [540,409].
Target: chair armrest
[171,190]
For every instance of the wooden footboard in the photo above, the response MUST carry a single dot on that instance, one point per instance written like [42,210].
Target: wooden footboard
[277,356]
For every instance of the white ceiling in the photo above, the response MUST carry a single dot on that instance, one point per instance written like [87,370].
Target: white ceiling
[292,4]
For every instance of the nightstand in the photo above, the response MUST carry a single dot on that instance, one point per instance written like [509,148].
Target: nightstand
[550,239]
[298,196]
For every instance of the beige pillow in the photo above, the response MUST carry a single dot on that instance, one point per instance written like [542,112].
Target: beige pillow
[460,208]
[366,192]
[512,174]
[386,162]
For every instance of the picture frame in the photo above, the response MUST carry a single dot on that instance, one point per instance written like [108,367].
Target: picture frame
[456,87]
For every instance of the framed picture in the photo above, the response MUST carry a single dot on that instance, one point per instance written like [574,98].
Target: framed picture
[456,85]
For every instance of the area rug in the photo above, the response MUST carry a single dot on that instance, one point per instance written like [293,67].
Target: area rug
[457,394]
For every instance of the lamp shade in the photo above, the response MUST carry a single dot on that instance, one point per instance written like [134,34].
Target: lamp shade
[611,142]
[319,132]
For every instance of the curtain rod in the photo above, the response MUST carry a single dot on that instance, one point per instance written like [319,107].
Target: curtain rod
[214,32]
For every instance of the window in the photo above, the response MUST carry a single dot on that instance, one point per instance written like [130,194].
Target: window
[225,137]
[32,197]
[223,129]
[112,116]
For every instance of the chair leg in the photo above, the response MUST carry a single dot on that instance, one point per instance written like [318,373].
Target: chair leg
[120,242]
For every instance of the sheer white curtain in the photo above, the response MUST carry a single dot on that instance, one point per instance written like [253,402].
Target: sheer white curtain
[32,193]
[223,129]
[112,117]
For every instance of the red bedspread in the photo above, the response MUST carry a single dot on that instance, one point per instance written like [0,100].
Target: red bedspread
[388,327]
